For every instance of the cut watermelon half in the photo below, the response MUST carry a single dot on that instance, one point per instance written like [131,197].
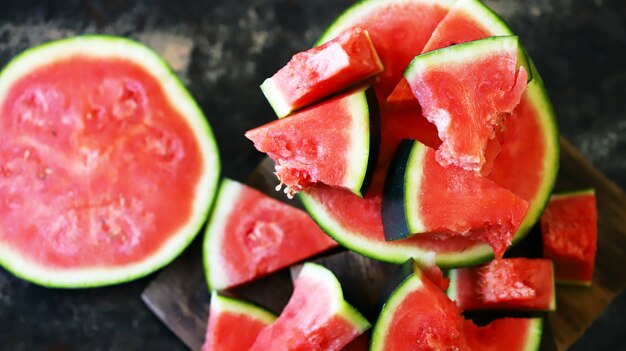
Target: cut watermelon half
[526,164]
[334,142]
[109,166]
[419,316]
[251,235]
[227,315]
[327,69]
[422,196]
[569,230]
[316,317]
[521,284]
[467,90]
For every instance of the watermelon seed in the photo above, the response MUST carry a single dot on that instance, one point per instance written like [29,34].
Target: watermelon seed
[44,173]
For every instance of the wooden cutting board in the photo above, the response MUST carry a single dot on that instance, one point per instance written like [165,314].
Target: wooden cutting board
[179,296]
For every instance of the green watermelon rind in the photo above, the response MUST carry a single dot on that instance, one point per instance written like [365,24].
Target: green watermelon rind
[225,201]
[276,98]
[227,304]
[117,47]
[533,340]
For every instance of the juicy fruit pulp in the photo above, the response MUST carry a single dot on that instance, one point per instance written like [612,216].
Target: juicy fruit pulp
[316,317]
[322,71]
[251,234]
[466,90]
[108,165]
[569,230]
[507,284]
[233,325]
[326,143]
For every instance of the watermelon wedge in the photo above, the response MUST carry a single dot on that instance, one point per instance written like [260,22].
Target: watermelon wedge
[466,90]
[334,142]
[419,316]
[109,166]
[521,284]
[422,196]
[316,317]
[526,164]
[322,71]
[251,235]
[569,231]
[227,315]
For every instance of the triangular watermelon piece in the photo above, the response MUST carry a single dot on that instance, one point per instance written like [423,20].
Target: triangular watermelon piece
[233,324]
[467,90]
[316,317]
[251,235]
[422,196]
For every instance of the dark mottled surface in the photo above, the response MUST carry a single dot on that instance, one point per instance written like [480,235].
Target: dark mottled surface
[223,50]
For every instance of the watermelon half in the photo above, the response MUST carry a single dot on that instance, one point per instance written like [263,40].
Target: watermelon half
[251,235]
[233,324]
[526,164]
[109,167]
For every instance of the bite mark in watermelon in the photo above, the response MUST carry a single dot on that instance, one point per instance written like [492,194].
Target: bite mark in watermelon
[322,71]
[521,284]
[421,196]
[467,90]
[109,166]
[569,231]
[334,142]
[316,317]
[251,235]
[233,324]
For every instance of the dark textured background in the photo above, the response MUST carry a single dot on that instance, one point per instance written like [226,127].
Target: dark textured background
[223,50]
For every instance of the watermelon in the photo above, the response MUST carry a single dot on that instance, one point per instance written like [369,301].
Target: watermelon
[251,235]
[466,90]
[419,316]
[227,314]
[334,142]
[316,317]
[109,167]
[422,196]
[509,284]
[317,73]
[569,231]
[526,164]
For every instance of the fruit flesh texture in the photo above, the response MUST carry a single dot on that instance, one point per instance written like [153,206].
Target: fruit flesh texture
[307,150]
[468,100]
[508,284]
[327,69]
[309,322]
[460,203]
[233,328]
[263,235]
[569,231]
[61,141]
[510,334]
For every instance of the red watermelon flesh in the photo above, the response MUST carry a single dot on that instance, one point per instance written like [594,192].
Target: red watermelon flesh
[89,162]
[523,334]
[316,317]
[322,71]
[233,325]
[569,230]
[251,235]
[467,90]
[507,284]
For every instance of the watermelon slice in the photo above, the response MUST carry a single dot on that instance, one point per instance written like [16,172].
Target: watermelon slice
[569,229]
[317,73]
[419,316]
[251,235]
[526,164]
[316,317]
[109,166]
[421,196]
[227,315]
[509,284]
[334,142]
[466,90]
